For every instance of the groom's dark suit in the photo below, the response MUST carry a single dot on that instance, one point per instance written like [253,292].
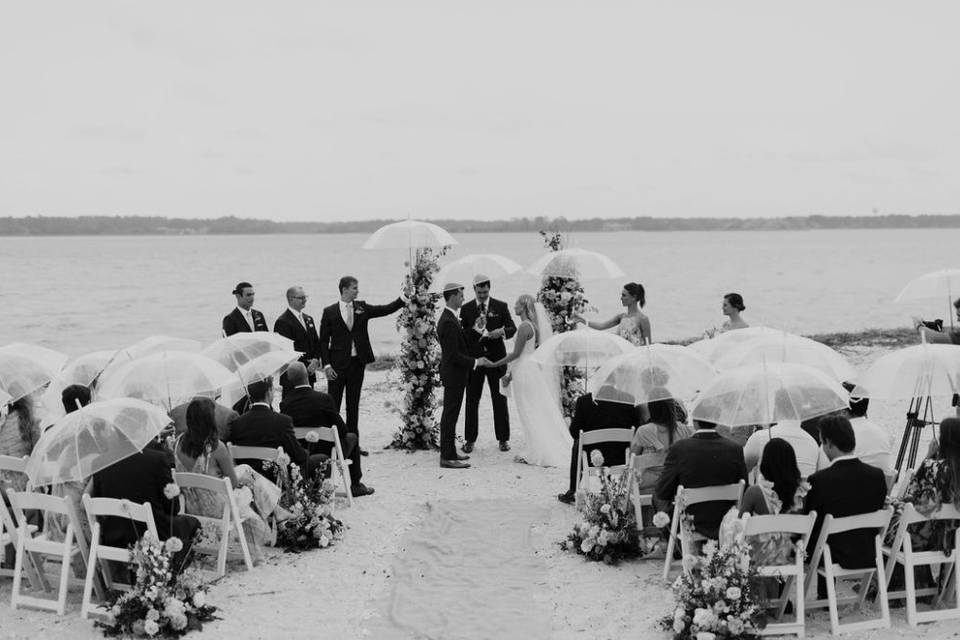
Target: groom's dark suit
[497,317]
[234,322]
[305,340]
[456,363]
[338,342]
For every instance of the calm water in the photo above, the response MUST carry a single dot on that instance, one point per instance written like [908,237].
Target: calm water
[84,294]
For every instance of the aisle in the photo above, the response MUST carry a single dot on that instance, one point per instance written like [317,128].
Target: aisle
[468,571]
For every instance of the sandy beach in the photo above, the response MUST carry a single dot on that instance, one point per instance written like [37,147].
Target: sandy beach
[344,591]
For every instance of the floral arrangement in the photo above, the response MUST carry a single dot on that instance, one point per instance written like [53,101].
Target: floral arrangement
[161,604]
[563,298]
[719,597]
[419,363]
[608,531]
[310,500]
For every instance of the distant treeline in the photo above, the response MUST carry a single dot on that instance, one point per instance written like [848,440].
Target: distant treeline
[137,225]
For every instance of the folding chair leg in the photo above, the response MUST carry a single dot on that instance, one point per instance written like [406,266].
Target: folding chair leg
[832,597]
[790,582]
[911,588]
[671,545]
[65,566]
[242,541]
[346,483]
[86,607]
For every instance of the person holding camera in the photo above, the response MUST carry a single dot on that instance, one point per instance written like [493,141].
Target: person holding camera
[933,333]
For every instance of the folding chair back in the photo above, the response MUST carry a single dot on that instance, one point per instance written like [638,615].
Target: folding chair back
[597,437]
[900,484]
[267,454]
[822,564]
[31,549]
[639,500]
[12,466]
[795,526]
[902,552]
[686,497]
[332,435]
[100,553]
[228,525]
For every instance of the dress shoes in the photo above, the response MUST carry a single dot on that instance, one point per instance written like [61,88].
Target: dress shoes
[467,447]
[567,498]
[460,456]
[364,452]
[360,489]
[454,464]
[504,445]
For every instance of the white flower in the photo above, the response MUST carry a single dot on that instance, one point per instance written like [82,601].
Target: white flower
[661,519]
[706,635]
[605,509]
[596,458]
[178,621]
[679,625]
[199,599]
[733,593]
[173,545]
[586,546]
[312,436]
[735,626]
[171,491]
[324,542]
[153,614]
[703,618]
[151,628]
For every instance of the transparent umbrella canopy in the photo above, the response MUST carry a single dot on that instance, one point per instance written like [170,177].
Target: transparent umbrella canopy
[943,285]
[409,234]
[47,358]
[652,372]
[583,347]
[766,393]
[168,378]
[569,263]
[921,370]
[715,348]
[240,348]
[464,269]
[21,375]
[787,347]
[93,438]
[81,370]
[265,366]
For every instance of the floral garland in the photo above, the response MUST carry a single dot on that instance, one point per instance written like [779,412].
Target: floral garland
[310,501]
[563,298]
[419,362]
[161,604]
[719,597]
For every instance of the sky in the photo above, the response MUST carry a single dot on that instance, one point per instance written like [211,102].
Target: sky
[320,110]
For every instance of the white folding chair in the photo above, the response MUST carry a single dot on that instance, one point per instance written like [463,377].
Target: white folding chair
[101,554]
[331,434]
[685,498]
[639,500]
[11,466]
[799,526]
[591,438]
[822,564]
[901,552]
[267,454]
[34,547]
[228,524]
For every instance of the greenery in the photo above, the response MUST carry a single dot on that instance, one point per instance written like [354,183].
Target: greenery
[156,225]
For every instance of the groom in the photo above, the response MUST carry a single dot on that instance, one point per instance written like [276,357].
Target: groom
[486,324]
[456,363]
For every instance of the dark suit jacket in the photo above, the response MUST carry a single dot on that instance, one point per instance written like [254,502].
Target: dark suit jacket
[846,488]
[305,340]
[498,316]
[590,415]
[263,427]
[234,322]
[702,460]
[140,478]
[310,408]
[336,340]
[222,415]
[455,360]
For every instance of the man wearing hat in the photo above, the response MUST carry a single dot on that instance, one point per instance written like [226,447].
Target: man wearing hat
[456,364]
[244,317]
[486,324]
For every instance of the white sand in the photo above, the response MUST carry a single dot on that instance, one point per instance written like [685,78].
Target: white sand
[334,593]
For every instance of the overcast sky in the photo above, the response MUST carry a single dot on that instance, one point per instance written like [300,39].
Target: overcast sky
[313,110]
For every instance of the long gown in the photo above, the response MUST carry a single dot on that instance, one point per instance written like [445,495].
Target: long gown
[535,407]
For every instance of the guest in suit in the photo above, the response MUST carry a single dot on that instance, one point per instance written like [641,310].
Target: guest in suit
[299,327]
[261,426]
[589,415]
[142,478]
[486,324]
[456,363]
[848,487]
[244,317]
[705,459]
[345,345]
[310,408]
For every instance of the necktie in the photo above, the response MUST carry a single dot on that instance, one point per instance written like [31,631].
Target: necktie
[483,310]
[350,317]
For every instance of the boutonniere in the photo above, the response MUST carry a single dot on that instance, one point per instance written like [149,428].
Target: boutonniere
[491,314]
[357,310]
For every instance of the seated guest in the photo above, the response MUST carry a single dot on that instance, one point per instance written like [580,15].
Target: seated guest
[223,416]
[809,457]
[261,426]
[874,443]
[142,478]
[310,408]
[589,415]
[705,459]
[199,450]
[652,439]
[848,487]
[73,397]
[19,432]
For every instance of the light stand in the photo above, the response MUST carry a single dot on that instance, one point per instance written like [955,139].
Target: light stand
[919,415]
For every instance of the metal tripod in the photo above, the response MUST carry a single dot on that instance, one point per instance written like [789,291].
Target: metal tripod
[919,415]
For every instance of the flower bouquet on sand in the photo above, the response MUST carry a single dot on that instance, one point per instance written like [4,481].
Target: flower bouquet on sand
[161,603]
[310,503]
[719,597]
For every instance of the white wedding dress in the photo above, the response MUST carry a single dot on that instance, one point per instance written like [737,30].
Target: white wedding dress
[534,400]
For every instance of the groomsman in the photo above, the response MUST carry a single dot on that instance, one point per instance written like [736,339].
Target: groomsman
[299,327]
[486,324]
[244,317]
[345,349]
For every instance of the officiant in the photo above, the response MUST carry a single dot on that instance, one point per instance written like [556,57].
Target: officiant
[486,324]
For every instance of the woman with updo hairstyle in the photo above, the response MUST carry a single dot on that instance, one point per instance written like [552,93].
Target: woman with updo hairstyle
[633,324]
[732,306]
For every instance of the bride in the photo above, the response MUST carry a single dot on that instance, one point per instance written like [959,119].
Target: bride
[533,396]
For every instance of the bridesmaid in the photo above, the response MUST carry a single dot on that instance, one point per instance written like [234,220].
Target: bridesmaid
[633,324]
[732,306]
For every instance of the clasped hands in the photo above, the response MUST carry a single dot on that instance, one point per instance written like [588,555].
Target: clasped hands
[485,362]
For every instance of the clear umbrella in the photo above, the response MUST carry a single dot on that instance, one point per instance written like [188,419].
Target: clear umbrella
[652,372]
[583,347]
[260,368]
[943,284]
[93,438]
[715,348]
[572,263]
[921,370]
[168,378]
[47,358]
[767,393]
[787,347]
[409,234]
[81,370]
[152,345]
[20,376]
[463,270]
[240,348]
